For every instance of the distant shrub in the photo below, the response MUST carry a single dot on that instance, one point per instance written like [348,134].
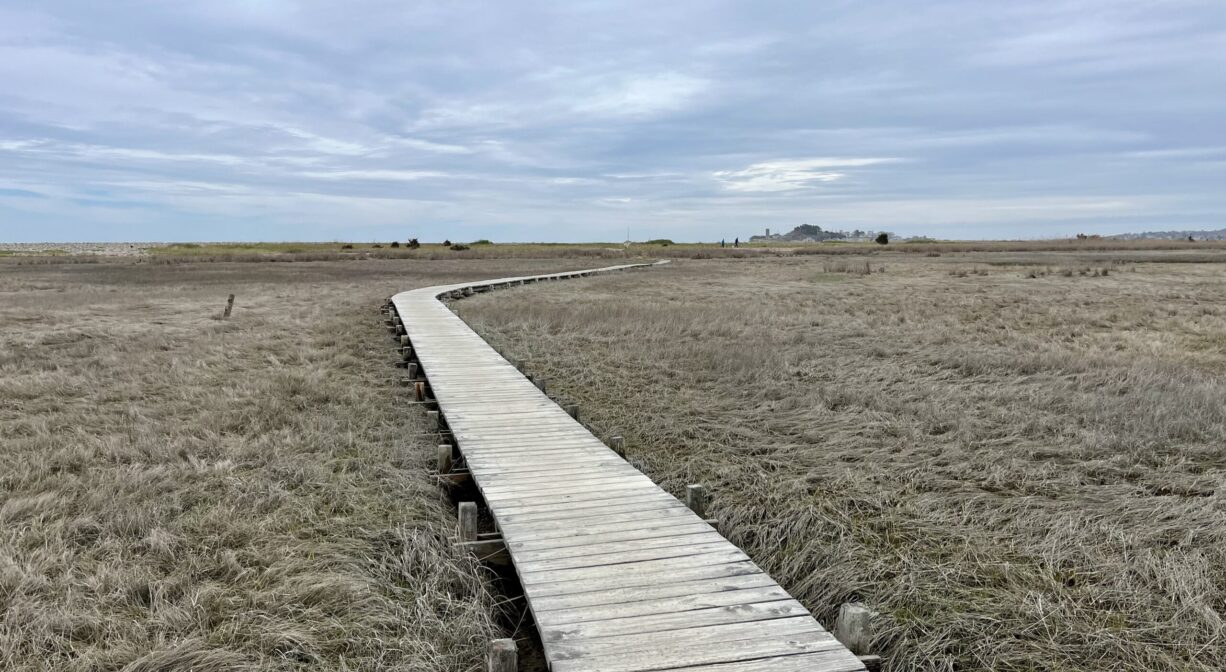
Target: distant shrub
[483,241]
[346,246]
[413,244]
[447,243]
[660,241]
[395,243]
[882,239]
[933,254]
[377,245]
[458,247]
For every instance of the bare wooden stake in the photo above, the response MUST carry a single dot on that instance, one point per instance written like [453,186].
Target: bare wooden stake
[696,499]
[413,371]
[229,307]
[406,353]
[404,339]
[854,627]
[468,521]
[419,390]
[433,420]
[501,656]
[573,410]
[618,444]
[444,458]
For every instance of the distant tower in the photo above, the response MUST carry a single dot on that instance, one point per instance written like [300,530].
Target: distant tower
[768,232]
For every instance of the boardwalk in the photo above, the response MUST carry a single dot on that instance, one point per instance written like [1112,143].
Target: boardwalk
[619,574]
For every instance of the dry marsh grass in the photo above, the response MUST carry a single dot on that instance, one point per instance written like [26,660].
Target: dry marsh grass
[1017,473]
[180,492]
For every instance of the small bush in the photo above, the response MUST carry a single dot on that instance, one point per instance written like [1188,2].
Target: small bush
[882,239]
[447,243]
[413,244]
[346,246]
[458,247]
[395,243]
[483,241]
[376,245]
[660,241]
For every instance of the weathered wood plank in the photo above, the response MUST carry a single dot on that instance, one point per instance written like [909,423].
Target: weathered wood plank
[717,547]
[649,595]
[579,633]
[685,603]
[616,576]
[701,642]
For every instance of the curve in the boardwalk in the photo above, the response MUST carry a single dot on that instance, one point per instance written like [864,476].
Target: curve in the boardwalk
[620,576]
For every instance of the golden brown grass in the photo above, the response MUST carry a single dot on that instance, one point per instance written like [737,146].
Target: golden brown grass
[180,492]
[1018,473]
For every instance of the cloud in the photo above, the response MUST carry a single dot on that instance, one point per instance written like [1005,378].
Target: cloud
[640,95]
[685,120]
[789,175]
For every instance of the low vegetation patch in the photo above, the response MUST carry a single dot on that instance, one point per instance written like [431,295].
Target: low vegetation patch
[182,492]
[1022,476]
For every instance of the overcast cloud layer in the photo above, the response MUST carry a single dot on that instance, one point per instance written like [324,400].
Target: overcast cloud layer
[249,120]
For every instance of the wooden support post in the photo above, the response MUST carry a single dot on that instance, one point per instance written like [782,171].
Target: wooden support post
[573,410]
[444,458]
[419,390]
[434,420]
[468,521]
[406,353]
[413,371]
[618,444]
[229,307]
[501,656]
[468,291]
[540,385]
[696,499]
[854,627]
[404,339]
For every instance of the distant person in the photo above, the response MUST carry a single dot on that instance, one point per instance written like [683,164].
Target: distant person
[721,242]
[736,242]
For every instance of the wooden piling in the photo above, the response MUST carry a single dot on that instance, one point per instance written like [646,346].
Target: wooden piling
[444,458]
[696,499]
[434,420]
[468,521]
[618,445]
[501,656]
[854,627]
[229,307]
[573,410]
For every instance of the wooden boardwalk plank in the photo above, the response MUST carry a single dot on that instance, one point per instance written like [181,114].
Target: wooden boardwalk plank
[619,574]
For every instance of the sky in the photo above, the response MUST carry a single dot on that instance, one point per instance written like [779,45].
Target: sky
[593,121]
